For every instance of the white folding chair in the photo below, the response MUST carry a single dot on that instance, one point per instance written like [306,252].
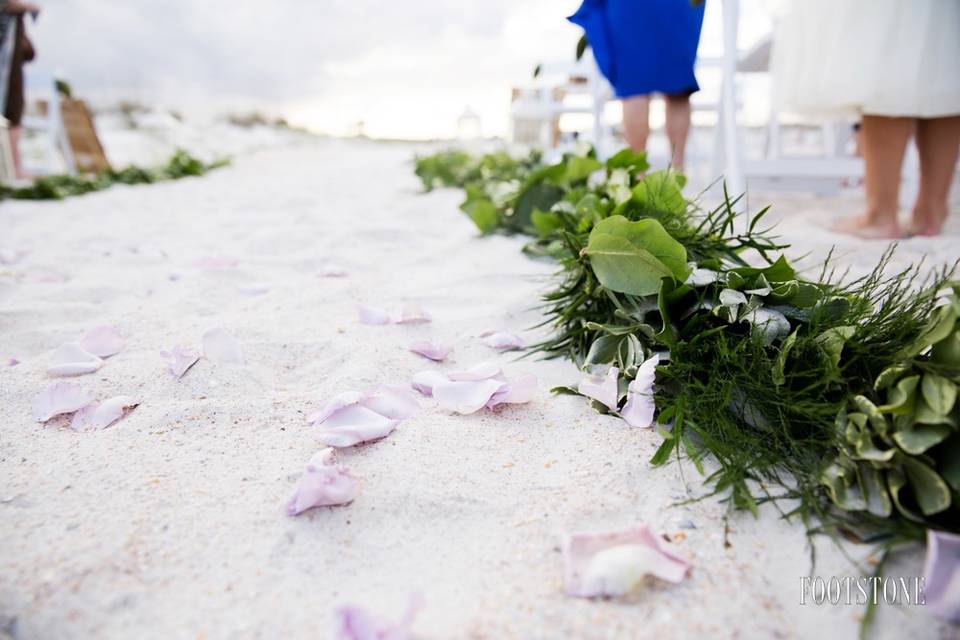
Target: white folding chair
[56,153]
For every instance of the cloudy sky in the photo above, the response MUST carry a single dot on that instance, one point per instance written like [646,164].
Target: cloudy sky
[406,68]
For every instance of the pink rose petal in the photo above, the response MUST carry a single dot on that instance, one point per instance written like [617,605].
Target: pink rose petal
[104,341]
[59,398]
[502,340]
[518,391]
[941,572]
[602,387]
[70,359]
[253,288]
[640,407]
[215,262]
[410,313]
[100,415]
[351,622]
[371,315]
[11,256]
[13,361]
[612,563]
[481,371]
[323,484]
[426,380]
[394,402]
[332,271]
[431,350]
[352,417]
[467,396]
[180,359]
[220,346]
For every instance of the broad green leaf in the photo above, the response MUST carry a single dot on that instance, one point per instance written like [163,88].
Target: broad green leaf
[939,393]
[925,414]
[603,350]
[779,271]
[832,341]
[628,159]
[632,257]
[947,351]
[661,191]
[942,323]
[877,498]
[532,197]
[949,466]
[579,168]
[896,481]
[901,399]
[889,375]
[931,492]
[877,421]
[483,214]
[917,438]
[545,223]
[843,487]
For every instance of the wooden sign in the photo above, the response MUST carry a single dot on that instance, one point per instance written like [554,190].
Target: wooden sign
[87,151]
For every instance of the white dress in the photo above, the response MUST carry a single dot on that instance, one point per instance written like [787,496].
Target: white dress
[875,57]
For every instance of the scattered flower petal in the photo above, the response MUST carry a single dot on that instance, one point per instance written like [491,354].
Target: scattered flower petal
[323,484]
[59,398]
[431,350]
[100,415]
[480,371]
[640,406]
[519,391]
[425,381]
[371,315]
[11,256]
[941,572]
[352,417]
[467,396]
[503,340]
[13,361]
[180,359]
[613,563]
[410,313]
[253,288]
[215,262]
[332,271]
[104,341]
[351,622]
[220,346]
[602,387]
[70,359]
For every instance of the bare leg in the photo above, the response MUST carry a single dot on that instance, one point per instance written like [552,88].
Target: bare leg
[15,152]
[678,128]
[938,142]
[883,141]
[636,122]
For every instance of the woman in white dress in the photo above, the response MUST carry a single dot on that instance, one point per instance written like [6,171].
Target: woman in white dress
[896,65]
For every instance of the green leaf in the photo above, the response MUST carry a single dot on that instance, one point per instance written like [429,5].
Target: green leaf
[603,350]
[483,214]
[661,191]
[917,438]
[779,271]
[582,45]
[779,365]
[579,168]
[949,466]
[628,159]
[537,195]
[632,257]
[545,223]
[931,492]
[902,398]
[896,481]
[877,498]
[663,453]
[939,393]
[832,341]
[889,375]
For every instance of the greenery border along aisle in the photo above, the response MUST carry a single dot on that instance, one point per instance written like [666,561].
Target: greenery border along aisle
[837,399]
[180,165]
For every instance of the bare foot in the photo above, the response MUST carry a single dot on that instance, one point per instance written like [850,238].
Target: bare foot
[861,227]
[926,223]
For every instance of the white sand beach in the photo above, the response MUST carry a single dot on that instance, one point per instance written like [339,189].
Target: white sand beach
[170,523]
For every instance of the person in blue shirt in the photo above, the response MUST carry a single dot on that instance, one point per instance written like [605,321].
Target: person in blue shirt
[644,47]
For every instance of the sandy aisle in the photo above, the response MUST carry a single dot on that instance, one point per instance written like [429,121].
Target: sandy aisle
[170,524]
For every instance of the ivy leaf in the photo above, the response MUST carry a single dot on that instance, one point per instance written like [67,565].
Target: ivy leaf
[939,393]
[632,257]
[832,341]
[931,492]
[917,438]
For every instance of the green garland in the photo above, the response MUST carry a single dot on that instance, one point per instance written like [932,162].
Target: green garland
[839,397]
[180,165]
